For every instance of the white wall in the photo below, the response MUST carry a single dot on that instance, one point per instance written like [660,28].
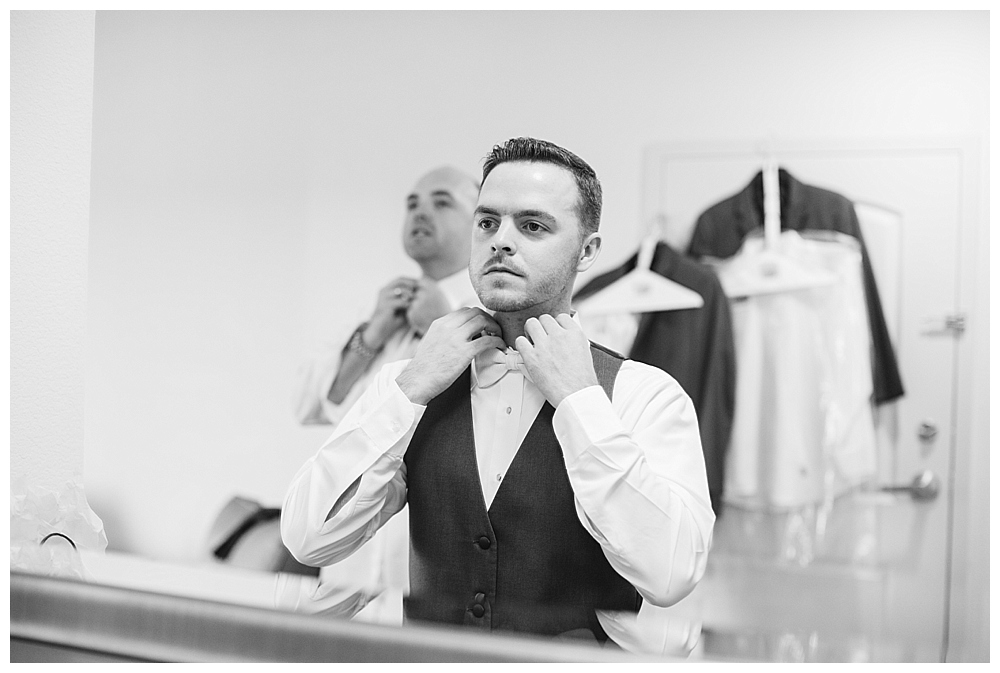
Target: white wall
[51,85]
[247,166]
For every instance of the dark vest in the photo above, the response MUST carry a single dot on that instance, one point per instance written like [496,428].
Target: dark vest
[527,564]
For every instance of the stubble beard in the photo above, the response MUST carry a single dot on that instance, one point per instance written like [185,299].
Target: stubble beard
[496,298]
[491,295]
[504,304]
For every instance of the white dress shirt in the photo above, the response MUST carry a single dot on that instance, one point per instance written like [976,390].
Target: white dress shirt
[502,416]
[635,464]
[370,585]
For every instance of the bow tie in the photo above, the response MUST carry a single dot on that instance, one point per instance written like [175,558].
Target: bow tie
[493,364]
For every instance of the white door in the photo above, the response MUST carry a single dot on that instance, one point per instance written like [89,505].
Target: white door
[876,588]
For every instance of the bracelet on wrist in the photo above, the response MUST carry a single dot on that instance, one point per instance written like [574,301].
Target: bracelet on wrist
[357,344]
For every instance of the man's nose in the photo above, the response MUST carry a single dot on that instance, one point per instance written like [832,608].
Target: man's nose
[505,239]
[420,213]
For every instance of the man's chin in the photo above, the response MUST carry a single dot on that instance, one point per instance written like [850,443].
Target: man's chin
[504,302]
[420,249]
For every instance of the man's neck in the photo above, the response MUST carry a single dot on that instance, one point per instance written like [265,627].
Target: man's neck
[437,269]
[512,323]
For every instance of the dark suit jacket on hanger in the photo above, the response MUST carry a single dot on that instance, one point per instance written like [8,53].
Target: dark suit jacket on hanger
[693,345]
[720,230]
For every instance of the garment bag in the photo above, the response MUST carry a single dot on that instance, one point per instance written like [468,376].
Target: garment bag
[729,227]
[803,431]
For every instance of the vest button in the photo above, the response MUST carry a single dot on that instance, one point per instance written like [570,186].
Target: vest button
[478,610]
[480,597]
[484,542]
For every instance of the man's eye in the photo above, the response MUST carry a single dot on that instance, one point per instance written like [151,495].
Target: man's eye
[486,224]
[442,203]
[533,227]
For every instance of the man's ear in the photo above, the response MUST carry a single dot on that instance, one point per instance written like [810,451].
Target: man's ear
[589,251]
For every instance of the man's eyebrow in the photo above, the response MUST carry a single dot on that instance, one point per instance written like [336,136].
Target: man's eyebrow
[538,214]
[435,194]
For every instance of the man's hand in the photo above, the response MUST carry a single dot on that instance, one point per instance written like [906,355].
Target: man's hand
[390,311]
[449,345]
[556,354]
[429,303]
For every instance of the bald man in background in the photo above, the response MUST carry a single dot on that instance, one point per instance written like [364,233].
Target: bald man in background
[437,231]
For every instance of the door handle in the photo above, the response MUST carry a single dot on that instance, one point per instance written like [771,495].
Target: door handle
[952,323]
[924,487]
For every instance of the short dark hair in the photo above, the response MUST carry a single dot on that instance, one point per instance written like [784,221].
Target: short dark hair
[588,208]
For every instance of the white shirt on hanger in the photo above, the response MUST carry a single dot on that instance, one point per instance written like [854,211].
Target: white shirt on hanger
[803,432]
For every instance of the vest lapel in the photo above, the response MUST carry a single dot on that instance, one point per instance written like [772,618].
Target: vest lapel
[521,470]
[453,408]
[540,428]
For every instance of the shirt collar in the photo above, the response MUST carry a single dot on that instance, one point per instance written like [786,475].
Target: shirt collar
[791,200]
[575,315]
[456,287]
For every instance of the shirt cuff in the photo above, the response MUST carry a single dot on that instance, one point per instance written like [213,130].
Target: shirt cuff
[584,419]
[392,420]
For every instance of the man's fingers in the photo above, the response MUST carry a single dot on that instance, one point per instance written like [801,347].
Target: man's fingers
[548,322]
[492,326]
[522,345]
[485,342]
[396,294]
[482,324]
[456,318]
[565,321]
[477,320]
[401,284]
[468,322]
[534,329]
[471,312]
